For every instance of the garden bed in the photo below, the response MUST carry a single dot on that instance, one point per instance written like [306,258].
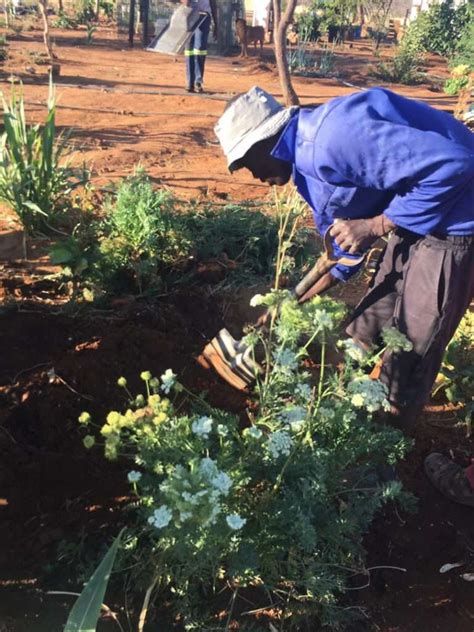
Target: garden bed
[60,504]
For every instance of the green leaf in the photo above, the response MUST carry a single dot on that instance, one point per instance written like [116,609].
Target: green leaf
[60,254]
[86,611]
[34,207]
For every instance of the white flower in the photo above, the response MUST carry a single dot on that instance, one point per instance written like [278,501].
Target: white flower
[208,467]
[293,414]
[256,300]
[202,426]
[395,340]
[368,394]
[235,522]
[326,413]
[222,430]
[213,516]
[134,476]
[254,432]
[222,482]
[303,390]
[167,381]
[279,443]
[285,361]
[184,515]
[352,350]
[322,320]
[161,517]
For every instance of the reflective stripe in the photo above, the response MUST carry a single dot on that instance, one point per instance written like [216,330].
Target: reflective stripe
[190,53]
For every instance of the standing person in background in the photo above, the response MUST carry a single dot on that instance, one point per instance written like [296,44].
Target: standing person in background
[261,15]
[196,50]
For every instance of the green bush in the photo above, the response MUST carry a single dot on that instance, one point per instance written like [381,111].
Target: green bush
[149,241]
[456,377]
[64,21]
[458,81]
[403,67]
[33,182]
[440,29]
[274,507]
[3,48]
[141,234]
[84,11]
[279,507]
[464,54]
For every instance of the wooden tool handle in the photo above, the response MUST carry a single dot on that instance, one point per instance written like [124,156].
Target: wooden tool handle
[322,266]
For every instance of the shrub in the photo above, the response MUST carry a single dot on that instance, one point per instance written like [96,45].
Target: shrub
[84,11]
[280,506]
[458,81]
[403,67]
[277,505]
[456,377]
[441,28]
[141,233]
[3,48]
[150,241]
[464,54]
[64,21]
[32,180]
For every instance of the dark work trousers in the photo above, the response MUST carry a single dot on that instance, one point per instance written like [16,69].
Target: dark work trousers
[196,52]
[423,287]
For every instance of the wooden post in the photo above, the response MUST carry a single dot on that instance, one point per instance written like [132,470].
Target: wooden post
[131,23]
[145,11]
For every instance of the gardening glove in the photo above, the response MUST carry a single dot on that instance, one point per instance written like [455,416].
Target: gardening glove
[357,235]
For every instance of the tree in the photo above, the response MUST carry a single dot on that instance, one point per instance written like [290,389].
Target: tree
[282,21]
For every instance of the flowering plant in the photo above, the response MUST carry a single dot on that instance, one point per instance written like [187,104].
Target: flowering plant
[280,502]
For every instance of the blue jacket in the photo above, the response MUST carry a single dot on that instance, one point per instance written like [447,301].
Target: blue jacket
[374,151]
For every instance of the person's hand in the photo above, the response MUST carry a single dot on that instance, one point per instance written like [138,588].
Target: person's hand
[355,235]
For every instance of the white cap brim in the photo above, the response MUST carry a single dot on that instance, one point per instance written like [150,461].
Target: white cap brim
[271,126]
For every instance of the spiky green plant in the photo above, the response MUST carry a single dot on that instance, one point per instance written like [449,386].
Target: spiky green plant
[33,182]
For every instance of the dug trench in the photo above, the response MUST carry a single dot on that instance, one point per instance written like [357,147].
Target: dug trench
[60,505]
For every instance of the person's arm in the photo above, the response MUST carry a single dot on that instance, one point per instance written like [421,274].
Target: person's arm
[214,18]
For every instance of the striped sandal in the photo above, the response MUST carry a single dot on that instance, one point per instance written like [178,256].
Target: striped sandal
[451,479]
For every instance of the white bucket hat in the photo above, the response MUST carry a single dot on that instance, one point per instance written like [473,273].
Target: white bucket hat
[252,117]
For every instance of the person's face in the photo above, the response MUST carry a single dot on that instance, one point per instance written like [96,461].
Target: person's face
[263,166]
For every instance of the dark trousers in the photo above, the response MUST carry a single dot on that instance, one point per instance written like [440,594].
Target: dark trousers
[423,287]
[196,52]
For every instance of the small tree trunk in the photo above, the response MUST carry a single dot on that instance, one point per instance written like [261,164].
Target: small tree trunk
[43,5]
[97,9]
[61,6]
[281,25]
